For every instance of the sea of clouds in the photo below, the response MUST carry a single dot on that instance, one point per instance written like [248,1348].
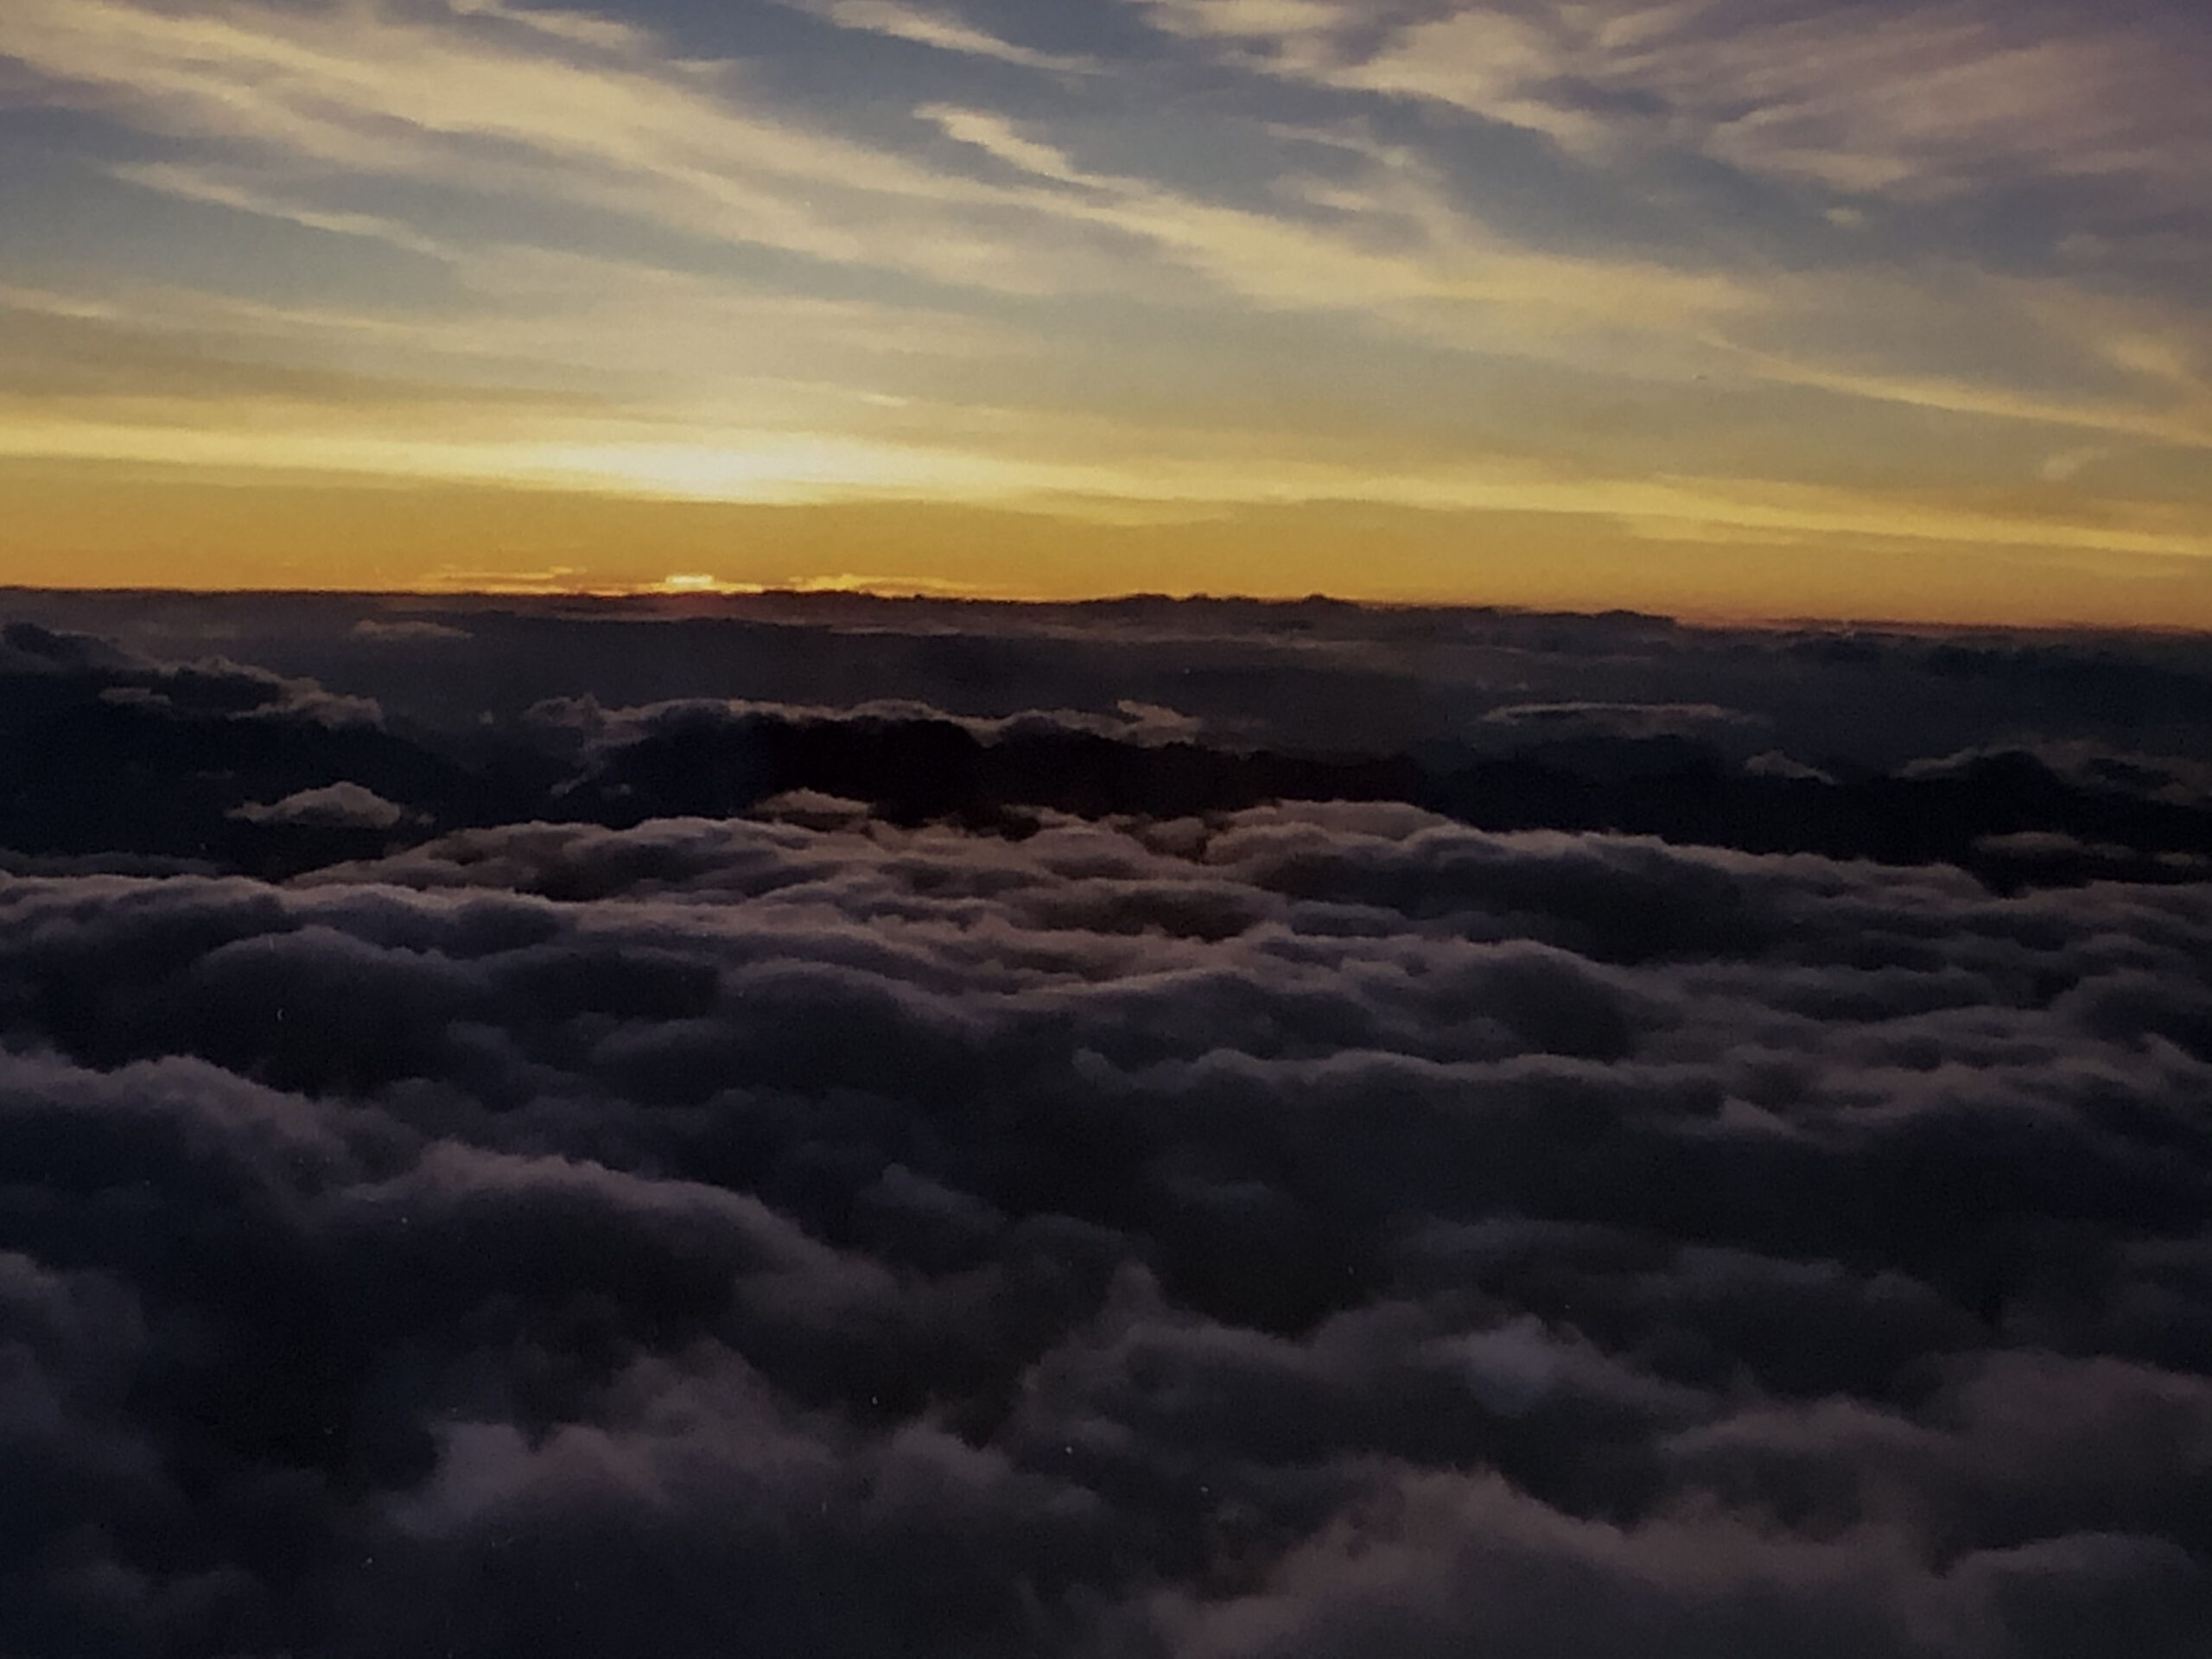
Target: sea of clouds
[1286,1230]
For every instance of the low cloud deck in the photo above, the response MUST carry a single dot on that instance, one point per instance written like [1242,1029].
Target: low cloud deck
[807,1217]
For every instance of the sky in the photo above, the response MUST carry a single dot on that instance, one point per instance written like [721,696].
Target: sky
[1893,308]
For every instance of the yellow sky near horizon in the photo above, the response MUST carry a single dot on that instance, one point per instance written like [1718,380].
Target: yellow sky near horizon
[96,526]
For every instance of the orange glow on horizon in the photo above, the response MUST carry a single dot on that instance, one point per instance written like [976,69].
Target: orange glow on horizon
[103,527]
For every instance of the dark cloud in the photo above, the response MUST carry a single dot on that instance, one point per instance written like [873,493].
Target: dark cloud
[404,632]
[1615,719]
[1609,768]
[111,754]
[1315,676]
[1027,1184]
[1851,744]
[1278,1233]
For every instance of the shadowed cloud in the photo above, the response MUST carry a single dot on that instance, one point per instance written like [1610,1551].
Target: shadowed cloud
[1054,1182]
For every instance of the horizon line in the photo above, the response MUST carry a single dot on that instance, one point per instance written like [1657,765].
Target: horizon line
[705,600]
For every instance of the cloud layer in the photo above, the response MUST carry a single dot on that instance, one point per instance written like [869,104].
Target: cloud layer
[2101,772]
[1275,1227]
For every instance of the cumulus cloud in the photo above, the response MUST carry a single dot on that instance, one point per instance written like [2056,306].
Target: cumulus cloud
[1187,1209]
[1268,1232]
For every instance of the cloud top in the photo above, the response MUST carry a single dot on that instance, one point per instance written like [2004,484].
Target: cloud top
[1242,1236]
[334,807]
[1047,1179]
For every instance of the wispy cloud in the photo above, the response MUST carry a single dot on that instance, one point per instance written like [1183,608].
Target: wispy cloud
[205,185]
[1907,100]
[1391,245]
[653,272]
[463,100]
[576,27]
[470,98]
[477,98]
[942,31]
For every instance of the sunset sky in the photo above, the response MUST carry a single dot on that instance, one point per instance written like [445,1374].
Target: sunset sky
[1789,308]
